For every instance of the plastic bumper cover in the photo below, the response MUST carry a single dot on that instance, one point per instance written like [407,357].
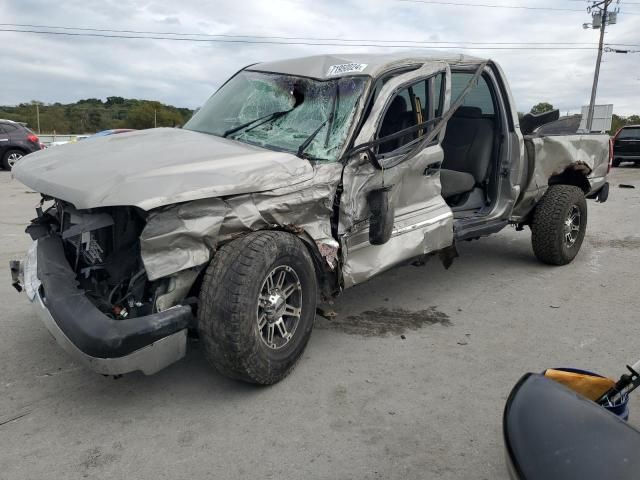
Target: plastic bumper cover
[106,346]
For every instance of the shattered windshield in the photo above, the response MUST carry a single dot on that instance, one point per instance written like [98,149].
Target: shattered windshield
[283,112]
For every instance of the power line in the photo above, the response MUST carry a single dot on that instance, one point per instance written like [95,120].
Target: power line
[246,37]
[487,5]
[589,1]
[269,42]
[273,37]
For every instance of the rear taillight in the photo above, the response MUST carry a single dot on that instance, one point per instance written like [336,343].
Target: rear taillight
[611,141]
[615,137]
[33,138]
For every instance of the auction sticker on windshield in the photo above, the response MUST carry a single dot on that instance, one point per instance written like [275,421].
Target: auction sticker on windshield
[346,68]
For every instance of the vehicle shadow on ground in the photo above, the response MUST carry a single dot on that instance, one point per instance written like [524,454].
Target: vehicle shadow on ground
[502,255]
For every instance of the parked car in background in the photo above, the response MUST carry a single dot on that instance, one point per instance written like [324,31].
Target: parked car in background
[626,145]
[16,141]
[114,131]
[78,138]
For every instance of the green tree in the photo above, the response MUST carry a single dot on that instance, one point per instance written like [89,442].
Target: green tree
[92,114]
[115,101]
[617,122]
[541,107]
[141,116]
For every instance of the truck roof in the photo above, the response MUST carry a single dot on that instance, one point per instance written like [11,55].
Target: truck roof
[324,67]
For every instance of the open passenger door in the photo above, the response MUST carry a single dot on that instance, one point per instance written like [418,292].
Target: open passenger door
[391,209]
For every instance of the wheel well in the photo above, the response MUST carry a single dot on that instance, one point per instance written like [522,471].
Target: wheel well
[328,279]
[5,155]
[572,176]
[19,149]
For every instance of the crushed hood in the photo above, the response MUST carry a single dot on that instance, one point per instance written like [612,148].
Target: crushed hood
[157,167]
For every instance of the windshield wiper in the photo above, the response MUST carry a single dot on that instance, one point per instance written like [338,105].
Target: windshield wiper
[304,145]
[266,118]
[329,120]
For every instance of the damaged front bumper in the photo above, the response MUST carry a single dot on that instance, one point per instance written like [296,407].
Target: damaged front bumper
[107,346]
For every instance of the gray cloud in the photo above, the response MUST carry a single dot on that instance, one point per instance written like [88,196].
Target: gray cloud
[183,73]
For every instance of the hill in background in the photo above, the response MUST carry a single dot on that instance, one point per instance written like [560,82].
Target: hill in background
[92,115]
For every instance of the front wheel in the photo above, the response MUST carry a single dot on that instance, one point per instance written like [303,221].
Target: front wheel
[559,224]
[257,306]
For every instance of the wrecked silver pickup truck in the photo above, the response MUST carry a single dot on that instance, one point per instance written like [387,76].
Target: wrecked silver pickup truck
[297,179]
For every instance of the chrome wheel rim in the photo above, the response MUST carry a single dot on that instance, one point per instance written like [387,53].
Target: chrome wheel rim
[572,226]
[279,307]
[13,159]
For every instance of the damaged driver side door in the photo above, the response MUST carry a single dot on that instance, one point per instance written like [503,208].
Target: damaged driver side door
[391,208]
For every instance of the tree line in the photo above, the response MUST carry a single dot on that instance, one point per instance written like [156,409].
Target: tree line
[93,115]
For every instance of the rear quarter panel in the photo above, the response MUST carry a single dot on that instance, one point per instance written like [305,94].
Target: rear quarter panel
[553,154]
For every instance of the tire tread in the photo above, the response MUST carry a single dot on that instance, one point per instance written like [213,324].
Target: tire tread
[225,300]
[549,216]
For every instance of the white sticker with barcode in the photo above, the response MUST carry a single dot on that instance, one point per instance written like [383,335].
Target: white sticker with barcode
[346,68]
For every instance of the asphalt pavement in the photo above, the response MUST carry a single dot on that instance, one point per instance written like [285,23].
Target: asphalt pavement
[408,381]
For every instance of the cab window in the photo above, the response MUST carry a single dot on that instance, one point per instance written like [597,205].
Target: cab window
[408,108]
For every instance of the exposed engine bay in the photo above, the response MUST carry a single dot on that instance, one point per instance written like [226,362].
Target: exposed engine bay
[102,247]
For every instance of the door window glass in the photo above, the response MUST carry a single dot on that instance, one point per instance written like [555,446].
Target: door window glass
[479,96]
[408,108]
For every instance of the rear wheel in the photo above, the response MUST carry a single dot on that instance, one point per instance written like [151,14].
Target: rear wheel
[257,306]
[559,224]
[10,158]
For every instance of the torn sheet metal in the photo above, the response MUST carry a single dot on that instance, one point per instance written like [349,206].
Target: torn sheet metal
[552,155]
[182,236]
[185,235]
[409,239]
[588,154]
[328,249]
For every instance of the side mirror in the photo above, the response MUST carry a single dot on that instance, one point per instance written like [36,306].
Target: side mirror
[531,121]
[382,216]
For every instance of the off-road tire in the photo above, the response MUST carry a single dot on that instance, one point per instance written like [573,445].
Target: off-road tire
[227,318]
[7,154]
[547,228]
[615,162]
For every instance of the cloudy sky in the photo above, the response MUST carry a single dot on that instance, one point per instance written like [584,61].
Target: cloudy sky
[181,73]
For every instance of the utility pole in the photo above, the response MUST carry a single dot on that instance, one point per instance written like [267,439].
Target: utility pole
[155,118]
[602,15]
[38,117]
